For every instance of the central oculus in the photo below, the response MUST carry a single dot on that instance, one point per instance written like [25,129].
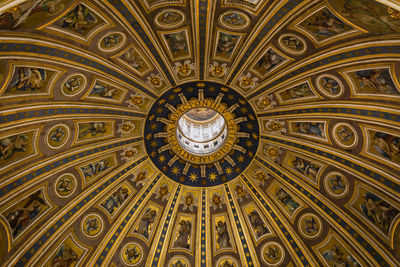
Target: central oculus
[201,131]
[201,134]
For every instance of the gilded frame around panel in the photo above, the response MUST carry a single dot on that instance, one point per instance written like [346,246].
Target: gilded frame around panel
[58,71]
[166,46]
[51,29]
[372,66]
[91,87]
[350,33]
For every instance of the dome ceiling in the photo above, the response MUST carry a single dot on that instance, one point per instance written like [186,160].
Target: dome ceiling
[92,168]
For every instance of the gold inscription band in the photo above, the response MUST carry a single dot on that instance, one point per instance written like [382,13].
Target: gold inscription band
[206,159]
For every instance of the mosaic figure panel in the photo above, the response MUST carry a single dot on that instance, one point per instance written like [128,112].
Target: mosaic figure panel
[369,15]
[303,166]
[269,61]
[190,200]
[92,225]
[377,211]
[265,102]
[300,92]
[376,81]
[26,211]
[275,126]
[330,85]
[104,91]
[142,174]
[178,44]
[247,82]
[383,145]
[132,58]
[31,13]
[98,167]
[259,174]
[226,45]
[68,253]
[309,129]
[17,147]
[185,69]
[310,225]
[129,153]
[93,130]
[223,238]
[30,80]
[81,21]
[256,222]
[324,25]
[345,135]
[218,70]
[234,20]
[65,185]
[182,238]
[148,220]
[284,199]
[114,202]
[130,128]
[292,44]
[333,252]
[169,18]
[136,101]
[240,192]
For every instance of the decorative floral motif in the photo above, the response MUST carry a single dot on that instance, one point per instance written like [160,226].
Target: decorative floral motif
[275,126]
[189,202]
[126,127]
[140,177]
[184,69]
[135,101]
[247,81]
[273,153]
[216,201]
[261,176]
[266,102]
[163,192]
[240,192]
[218,70]
[129,153]
[155,80]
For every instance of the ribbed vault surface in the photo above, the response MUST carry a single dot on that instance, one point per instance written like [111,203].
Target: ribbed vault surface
[91,168]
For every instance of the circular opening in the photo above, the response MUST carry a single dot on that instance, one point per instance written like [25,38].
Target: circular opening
[201,131]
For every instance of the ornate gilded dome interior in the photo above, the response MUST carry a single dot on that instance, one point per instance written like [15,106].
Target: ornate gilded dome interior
[199,133]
